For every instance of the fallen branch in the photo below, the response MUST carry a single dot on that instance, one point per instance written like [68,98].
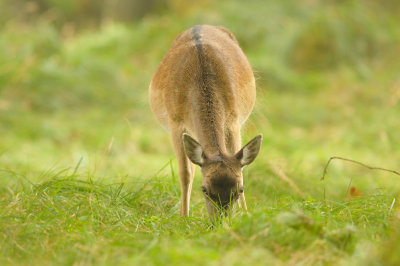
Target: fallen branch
[356,162]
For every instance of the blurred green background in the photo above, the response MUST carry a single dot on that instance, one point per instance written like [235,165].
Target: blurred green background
[74,77]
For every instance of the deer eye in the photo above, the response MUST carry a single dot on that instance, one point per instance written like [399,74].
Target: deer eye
[241,190]
[204,189]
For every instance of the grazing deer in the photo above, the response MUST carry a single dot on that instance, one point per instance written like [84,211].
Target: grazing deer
[204,87]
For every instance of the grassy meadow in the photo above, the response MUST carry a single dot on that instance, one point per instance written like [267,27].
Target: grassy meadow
[88,177]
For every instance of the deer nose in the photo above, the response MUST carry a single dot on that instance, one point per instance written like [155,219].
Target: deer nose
[226,206]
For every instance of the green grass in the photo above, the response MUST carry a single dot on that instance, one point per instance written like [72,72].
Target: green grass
[66,220]
[87,176]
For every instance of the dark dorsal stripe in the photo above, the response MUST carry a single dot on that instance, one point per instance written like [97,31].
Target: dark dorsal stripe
[206,80]
[200,52]
[197,39]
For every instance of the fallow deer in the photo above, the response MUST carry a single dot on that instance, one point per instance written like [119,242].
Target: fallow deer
[204,89]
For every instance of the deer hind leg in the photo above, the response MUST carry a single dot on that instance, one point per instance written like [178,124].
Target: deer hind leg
[234,144]
[186,169]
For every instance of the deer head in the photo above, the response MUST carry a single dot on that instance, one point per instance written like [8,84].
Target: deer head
[222,174]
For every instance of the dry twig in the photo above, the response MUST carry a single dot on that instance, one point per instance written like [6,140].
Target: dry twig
[357,162]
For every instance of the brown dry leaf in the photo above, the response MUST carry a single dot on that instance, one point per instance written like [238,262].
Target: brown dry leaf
[354,193]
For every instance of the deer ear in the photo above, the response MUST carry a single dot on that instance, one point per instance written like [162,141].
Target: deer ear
[250,151]
[193,150]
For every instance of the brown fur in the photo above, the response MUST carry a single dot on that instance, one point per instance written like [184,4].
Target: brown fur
[204,86]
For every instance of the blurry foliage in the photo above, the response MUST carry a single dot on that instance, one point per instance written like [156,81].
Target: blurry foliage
[286,43]
[340,34]
[80,13]
[315,48]
[80,60]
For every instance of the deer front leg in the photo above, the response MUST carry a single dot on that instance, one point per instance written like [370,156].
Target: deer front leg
[233,141]
[186,170]
[243,201]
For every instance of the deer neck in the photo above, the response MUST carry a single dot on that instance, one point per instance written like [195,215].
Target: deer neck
[209,125]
